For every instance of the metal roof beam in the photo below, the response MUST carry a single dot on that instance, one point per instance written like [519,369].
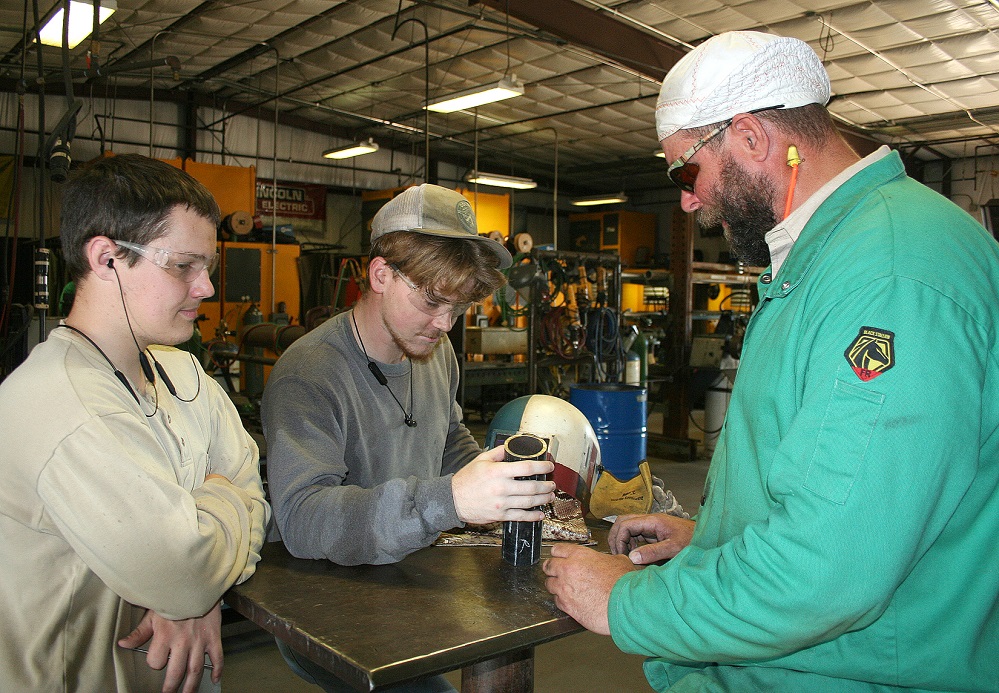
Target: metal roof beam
[595,31]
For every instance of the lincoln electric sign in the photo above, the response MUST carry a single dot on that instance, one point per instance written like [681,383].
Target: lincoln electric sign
[295,200]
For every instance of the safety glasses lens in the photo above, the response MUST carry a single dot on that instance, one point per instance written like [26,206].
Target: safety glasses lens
[427,304]
[189,270]
[422,302]
[213,264]
[685,175]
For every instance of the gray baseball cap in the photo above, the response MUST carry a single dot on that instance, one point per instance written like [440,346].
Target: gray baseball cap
[434,211]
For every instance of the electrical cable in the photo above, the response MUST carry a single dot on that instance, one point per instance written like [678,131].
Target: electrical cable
[702,429]
[604,338]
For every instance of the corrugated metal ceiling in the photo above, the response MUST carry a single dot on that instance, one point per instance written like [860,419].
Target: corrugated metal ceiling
[920,74]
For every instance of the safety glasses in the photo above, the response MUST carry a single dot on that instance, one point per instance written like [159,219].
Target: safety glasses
[185,266]
[683,172]
[426,303]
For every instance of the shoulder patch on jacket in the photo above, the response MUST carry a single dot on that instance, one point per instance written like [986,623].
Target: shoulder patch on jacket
[871,353]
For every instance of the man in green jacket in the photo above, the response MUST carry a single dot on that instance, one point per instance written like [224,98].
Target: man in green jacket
[846,541]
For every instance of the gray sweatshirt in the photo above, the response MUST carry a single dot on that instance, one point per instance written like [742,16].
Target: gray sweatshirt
[349,480]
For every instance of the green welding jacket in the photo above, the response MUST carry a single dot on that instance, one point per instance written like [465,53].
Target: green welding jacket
[847,541]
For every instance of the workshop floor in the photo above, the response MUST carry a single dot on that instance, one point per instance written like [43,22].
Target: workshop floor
[580,663]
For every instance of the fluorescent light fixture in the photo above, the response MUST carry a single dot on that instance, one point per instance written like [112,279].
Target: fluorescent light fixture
[660,153]
[500,181]
[470,98]
[599,200]
[356,149]
[81,22]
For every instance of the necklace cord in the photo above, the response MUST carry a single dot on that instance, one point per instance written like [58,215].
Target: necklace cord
[382,380]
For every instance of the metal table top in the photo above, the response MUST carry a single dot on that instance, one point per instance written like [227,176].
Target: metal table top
[439,609]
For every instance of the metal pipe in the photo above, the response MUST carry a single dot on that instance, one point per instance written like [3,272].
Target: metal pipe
[277,67]
[152,89]
[268,335]
[522,540]
[426,90]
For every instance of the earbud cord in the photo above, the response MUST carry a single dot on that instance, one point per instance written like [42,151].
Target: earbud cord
[169,384]
[144,360]
[122,378]
[382,380]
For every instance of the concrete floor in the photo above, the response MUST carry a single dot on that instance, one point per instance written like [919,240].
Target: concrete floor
[579,663]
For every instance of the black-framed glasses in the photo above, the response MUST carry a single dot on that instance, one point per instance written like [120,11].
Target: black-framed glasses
[683,172]
[426,303]
[185,266]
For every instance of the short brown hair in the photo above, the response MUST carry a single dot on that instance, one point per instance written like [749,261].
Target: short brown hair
[811,123]
[452,269]
[127,197]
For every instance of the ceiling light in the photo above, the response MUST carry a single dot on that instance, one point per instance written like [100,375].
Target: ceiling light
[81,22]
[599,200]
[660,153]
[356,149]
[500,181]
[470,98]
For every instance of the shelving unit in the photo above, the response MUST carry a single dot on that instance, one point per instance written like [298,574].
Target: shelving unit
[687,275]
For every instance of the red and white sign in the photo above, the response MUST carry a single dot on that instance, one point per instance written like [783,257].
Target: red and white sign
[294,200]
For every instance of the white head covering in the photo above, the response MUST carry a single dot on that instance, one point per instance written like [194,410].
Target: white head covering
[738,72]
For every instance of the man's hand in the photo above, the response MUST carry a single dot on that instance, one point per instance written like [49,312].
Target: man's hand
[650,538]
[487,490]
[581,580]
[180,646]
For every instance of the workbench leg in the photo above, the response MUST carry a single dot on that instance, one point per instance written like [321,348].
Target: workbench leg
[512,672]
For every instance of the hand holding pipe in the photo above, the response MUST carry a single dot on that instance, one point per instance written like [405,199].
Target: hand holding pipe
[522,540]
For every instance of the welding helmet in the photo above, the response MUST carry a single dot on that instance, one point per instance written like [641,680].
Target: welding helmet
[572,443]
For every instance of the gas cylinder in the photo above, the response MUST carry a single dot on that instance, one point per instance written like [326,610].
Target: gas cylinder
[632,369]
[253,373]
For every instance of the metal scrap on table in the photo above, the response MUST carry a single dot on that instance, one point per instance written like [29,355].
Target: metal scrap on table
[563,523]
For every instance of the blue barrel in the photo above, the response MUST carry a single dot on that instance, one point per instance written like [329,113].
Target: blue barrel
[617,413]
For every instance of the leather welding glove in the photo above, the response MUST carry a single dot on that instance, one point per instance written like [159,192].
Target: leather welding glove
[612,497]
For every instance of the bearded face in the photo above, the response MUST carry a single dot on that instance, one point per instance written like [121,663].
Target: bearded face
[745,203]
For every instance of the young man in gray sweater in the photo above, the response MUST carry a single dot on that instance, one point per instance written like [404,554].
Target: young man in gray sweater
[368,459]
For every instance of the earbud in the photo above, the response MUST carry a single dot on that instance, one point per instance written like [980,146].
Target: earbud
[111,263]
